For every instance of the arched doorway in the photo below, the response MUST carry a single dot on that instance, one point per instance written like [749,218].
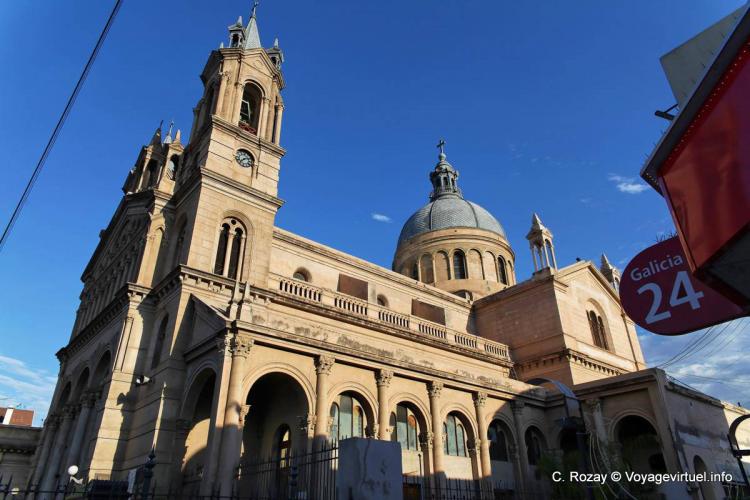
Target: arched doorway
[500,441]
[640,451]
[706,487]
[272,435]
[197,430]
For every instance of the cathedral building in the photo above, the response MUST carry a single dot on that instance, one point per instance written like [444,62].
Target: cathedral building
[216,339]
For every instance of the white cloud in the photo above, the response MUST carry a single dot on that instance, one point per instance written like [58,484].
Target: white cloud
[380,217]
[627,184]
[25,386]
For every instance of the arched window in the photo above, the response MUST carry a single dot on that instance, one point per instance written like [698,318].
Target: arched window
[405,428]
[415,270]
[459,265]
[283,445]
[382,301]
[502,269]
[598,333]
[455,437]
[498,442]
[235,42]
[179,245]
[534,445]
[301,274]
[464,293]
[230,249]
[172,166]
[335,421]
[159,344]
[347,418]
[250,108]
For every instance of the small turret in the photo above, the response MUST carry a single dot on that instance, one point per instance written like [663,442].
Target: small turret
[540,242]
[610,272]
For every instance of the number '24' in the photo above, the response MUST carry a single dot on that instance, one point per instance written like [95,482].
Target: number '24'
[681,282]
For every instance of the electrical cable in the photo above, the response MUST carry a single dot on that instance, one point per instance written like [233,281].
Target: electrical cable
[58,127]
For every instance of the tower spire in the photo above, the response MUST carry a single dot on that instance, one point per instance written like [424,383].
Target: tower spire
[252,36]
[444,178]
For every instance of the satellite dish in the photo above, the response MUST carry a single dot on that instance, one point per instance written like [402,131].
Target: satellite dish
[72,470]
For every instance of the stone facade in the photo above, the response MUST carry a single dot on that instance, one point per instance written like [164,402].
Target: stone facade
[214,337]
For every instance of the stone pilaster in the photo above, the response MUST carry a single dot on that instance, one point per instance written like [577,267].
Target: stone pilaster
[480,400]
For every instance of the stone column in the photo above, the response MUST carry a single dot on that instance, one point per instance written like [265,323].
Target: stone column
[517,407]
[518,476]
[87,402]
[323,366]
[473,446]
[277,131]
[480,399]
[53,423]
[434,389]
[231,433]
[383,379]
[263,118]
[55,462]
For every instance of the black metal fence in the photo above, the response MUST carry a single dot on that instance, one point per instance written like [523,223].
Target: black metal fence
[305,476]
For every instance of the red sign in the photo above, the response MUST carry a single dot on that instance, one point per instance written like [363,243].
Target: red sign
[660,294]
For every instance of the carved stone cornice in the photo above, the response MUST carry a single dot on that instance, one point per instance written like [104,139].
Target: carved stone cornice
[323,364]
[434,388]
[383,377]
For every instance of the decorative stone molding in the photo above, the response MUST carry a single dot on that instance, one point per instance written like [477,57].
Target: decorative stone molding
[517,406]
[434,388]
[244,410]
[241,346]
[594,405]
[473,445]
[426,439]
[383,377]
[307,423]
[323,364]
[372,431]
[480,399]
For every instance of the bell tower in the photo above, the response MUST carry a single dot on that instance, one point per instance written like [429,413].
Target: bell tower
[234,157]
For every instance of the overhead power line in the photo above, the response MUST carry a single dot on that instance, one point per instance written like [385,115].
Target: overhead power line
[59,126]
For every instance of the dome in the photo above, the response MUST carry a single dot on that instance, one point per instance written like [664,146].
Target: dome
[448,211]
[447,207]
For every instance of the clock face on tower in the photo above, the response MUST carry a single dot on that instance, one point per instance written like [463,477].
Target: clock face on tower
[244,158]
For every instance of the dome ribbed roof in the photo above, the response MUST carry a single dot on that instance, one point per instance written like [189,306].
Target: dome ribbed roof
[449,211]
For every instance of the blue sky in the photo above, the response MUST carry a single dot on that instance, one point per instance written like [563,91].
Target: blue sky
[545,107]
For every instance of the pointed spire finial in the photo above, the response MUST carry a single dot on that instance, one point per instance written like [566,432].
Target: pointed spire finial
[177,136]
[605,261]
[536,222]
[168,139]
[252,37]
[156,138]
[276,43]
